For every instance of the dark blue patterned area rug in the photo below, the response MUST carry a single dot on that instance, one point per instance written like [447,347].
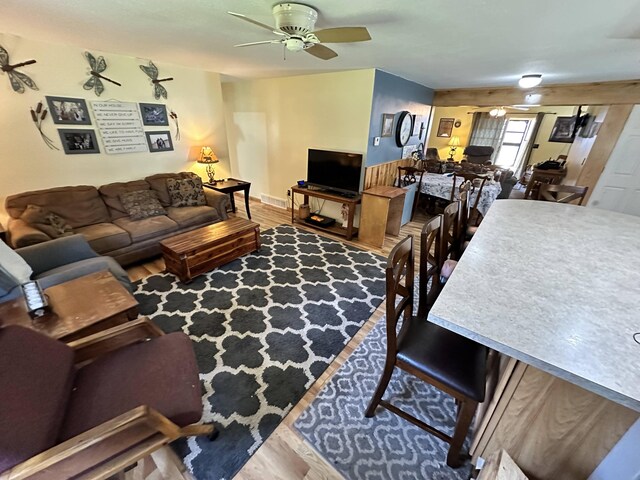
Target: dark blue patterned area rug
[385,447]
[264,328]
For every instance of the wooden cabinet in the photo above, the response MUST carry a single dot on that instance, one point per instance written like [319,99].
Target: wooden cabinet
[553,429]
[381,213]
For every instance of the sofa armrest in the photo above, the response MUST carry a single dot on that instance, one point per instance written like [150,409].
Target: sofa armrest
[219,201]
[56,253]
[21,234]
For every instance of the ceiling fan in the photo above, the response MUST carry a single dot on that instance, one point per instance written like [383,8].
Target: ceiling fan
[501,111]
[295,25]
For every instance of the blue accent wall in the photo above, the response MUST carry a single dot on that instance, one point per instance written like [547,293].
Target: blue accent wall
[393,94]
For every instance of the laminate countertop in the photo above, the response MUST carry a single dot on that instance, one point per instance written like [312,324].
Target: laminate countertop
[556,286]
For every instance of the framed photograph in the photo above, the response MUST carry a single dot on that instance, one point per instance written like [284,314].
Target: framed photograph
[445,127]
[562,130]
[159,141]
[68,111]
[77,142]
[387,124]
[417,121]
[154,114]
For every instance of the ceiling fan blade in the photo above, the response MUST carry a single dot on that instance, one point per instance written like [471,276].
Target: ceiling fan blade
[257,43]
[320,51]
[255,22]
[343,35]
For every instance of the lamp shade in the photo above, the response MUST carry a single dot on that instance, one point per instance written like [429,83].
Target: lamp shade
[207,156]
[454,142]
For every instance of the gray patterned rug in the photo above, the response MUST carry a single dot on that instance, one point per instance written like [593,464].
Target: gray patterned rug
[384,447]
[264,329]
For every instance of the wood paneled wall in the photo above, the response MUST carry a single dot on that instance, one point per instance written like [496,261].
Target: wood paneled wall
[384,173]
[553,429]
[599,93]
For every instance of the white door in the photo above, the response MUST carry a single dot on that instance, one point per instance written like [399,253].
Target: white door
[618,188]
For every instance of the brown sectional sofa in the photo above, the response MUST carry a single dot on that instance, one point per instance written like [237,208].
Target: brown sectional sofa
[99,216]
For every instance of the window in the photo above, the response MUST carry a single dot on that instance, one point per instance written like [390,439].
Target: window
[513,141]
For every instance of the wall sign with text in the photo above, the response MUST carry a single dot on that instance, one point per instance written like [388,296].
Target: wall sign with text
[120,127]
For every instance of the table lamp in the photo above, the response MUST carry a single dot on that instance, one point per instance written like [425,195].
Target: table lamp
[453,143]
[208,157]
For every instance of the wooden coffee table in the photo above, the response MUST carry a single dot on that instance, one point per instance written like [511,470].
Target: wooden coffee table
[199,251]
[81,307]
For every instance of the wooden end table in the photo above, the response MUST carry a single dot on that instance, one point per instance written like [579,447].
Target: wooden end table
[230,186]
[81,307]
[198,251]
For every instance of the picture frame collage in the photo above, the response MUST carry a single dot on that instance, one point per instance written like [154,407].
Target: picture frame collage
[70,111]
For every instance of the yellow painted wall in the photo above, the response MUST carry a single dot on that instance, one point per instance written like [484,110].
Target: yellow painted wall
[464,131]
[273,122]
[547,149]
[26,163]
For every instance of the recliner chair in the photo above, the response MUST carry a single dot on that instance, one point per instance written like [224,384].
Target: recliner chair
[478,154]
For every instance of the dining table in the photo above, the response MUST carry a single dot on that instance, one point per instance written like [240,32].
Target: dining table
[555,289]
[440,185]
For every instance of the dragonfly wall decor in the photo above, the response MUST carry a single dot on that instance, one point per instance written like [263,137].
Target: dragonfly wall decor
[18,79]
[152,72]
[98,66]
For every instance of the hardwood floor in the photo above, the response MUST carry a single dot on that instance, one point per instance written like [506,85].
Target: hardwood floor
[285,455]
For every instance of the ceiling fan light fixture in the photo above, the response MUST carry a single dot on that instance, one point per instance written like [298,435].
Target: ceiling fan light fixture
[294,44]
[497,112]
[530,81]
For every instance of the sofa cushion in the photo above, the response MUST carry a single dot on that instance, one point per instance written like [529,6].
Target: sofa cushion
[45,221]
[104,237]
[159,184]
[78,206]
[36,375]
[142,204]
[140,230]
[161,373]
[186,192]
[111,195]
[192,216]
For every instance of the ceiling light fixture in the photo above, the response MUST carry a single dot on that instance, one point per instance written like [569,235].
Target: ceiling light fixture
[530,81]
[498,112]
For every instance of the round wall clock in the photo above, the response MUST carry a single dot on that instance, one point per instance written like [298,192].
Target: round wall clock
[403,128]
[457,124]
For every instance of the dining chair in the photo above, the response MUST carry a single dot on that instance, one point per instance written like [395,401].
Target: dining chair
[453,364]
[465,190]
[430,264]
[450,231]
[408,176]
[478,182]
[552,193]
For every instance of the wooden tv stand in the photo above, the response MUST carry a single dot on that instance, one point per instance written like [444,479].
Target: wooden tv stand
[350,231]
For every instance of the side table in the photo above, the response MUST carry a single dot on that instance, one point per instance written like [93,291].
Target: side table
[230,186]
[83,306]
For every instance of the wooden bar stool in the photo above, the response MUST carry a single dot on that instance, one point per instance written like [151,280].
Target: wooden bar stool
[444,359]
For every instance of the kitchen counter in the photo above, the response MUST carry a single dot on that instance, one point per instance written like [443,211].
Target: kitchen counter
[556,286]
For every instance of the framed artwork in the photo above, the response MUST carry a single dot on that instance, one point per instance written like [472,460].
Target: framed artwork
[387,124]
[445,127]
[68,111]
[417,121]
[154,114]
[77,142]
[159,141]
[562,130]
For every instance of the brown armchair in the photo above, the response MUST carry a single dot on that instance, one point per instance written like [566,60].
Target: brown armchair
[478,154]
[93,407]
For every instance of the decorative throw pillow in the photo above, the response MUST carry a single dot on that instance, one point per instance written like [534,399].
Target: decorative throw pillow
[141,204]
[186,192]
[46,221]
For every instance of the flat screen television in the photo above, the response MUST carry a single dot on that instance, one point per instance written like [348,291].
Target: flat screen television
[337,171]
